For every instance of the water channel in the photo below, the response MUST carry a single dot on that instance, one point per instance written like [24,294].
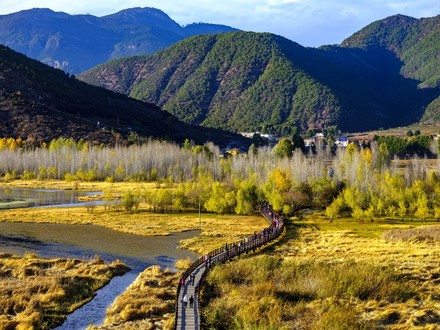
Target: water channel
[87,241]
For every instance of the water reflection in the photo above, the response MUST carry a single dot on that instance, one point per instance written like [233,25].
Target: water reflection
[87,241]
[17,198]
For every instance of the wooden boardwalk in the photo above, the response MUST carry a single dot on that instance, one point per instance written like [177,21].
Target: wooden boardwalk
[189,317]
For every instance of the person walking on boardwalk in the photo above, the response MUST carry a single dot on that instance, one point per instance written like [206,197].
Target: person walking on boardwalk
[191,301]
[185,301]
[192,278]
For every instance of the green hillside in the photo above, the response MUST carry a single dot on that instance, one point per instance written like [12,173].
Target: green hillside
[244,81]
[40,103]
[415,42]
[238,81]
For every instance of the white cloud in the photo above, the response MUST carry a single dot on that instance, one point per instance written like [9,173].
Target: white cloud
[309,22]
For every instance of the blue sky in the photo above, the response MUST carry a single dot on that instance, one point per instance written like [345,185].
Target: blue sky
[308,22]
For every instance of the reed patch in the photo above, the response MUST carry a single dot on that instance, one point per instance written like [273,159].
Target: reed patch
[38,293]
[148,303]
[330,275]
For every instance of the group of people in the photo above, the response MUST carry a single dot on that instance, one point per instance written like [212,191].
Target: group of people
[249,243]
[185,301]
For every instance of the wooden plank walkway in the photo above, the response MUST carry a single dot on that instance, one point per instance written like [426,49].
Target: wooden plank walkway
[188,318]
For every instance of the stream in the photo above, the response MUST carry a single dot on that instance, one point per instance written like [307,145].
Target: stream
[85,242]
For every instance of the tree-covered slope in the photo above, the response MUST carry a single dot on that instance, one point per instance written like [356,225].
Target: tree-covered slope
[40,103]
[246,81]
[415,42]
[76,43]
[239,81]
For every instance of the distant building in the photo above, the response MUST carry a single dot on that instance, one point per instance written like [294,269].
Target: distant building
[309,142]
[270,137]
[342,141]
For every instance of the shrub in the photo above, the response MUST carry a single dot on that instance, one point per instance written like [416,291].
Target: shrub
[27,175]
[130,201]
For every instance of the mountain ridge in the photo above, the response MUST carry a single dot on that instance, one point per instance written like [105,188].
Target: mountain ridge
[75,43]
[39,103]
[384,75]
[258,81]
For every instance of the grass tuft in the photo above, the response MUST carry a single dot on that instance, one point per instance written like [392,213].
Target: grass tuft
[38,293]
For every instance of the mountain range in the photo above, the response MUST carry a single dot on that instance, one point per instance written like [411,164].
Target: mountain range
[75,43]
[385,75]
[246,81]
[39,103]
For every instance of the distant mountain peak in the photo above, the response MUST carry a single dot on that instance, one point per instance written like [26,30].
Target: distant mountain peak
[398,19]
[139,14]
[84,41]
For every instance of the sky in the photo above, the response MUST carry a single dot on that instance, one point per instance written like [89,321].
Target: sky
[309,22]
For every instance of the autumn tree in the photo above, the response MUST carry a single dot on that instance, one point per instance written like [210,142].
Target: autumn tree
[278,183]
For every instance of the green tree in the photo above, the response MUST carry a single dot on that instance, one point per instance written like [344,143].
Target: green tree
[221,199]
[247,196]
[336,208]
[284,148]
[422,207]
[130,201]
[298,142]
[187,144]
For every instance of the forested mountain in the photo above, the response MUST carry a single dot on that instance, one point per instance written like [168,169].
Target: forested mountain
[76,43]
[415,42]
[40,103]
[245,81]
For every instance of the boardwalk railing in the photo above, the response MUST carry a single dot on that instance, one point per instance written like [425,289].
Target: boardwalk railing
[230,251]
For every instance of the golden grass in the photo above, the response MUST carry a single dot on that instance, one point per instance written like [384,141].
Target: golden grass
[148,302]
[117,187]
[216,229]
[427,234]
[38,293]
[339,275]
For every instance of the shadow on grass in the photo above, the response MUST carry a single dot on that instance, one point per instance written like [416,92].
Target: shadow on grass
[294,296]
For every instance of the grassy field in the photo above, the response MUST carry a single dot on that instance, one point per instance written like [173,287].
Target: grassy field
[341,275]
[425,129]
[80,186]
[216,229]
[38,293]
[344,274]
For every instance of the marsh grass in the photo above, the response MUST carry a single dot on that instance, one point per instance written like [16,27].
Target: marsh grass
[38,293]
[216,229]
[424,234]
[116,187]
[339,275]
[148,303]
[273,287]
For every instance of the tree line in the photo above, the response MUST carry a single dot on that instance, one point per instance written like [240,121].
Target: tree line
[360,182]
